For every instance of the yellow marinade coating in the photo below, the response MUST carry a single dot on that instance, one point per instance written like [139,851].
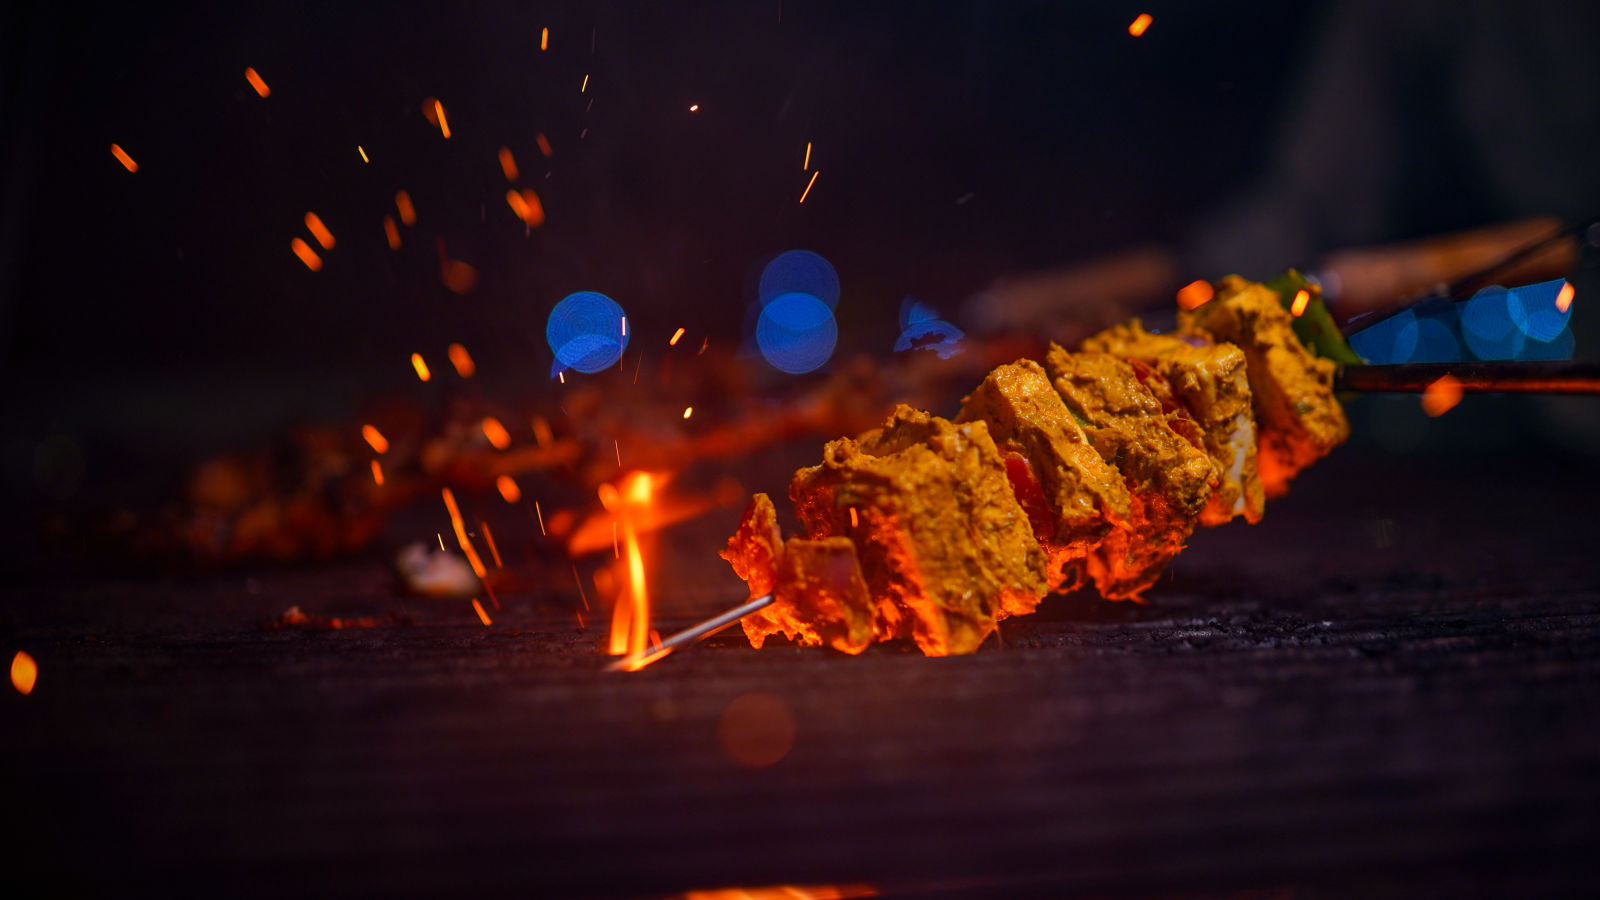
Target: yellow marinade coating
[1085,495]
[822,598]
[1168,478]
[1212,382]
[944,546]
[1298,420]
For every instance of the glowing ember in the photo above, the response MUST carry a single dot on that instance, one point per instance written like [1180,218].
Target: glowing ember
[462,360]
[496,433]
[377,473]
[375,438]
[391,232]
[544,39]
[676,336]
[421,365]
[1195,294]
[1298,307]
[526,205]
[123,157]
[363,153]
[1564,299]
[1441,396]
[806,166]
[508,164]
[544,145]
[444,124]
[257,82]
[306,254]
[630,621]
[461,534]
[507,486]
[688,411]
[319,230]
[1139,25]
[807,191]
[482,616]
[402,203]
[24,673]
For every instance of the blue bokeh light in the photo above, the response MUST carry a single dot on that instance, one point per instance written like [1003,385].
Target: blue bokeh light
[796,332]
[1436,342]
[1487,326]
[937,335]
[1391,341]
[1532,310]
[586,333]
[913,311]
[799,272]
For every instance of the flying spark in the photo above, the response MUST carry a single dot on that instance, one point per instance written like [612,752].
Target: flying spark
[624,326]
[541,431]
[444,124]
[24,673]
[544,145]
[319,230]
[540,513]
[377,473]
[544,39]
[391,232]
[1441,396]
[482,616]
[806,166]
[508,164]
[123,157]
[508,488]
[375,437]
[1564,299]
[408,213]
[462,360]
[1195,294]
[688,411]
[694,107]
[306,254]
[461,533]
[526,205]
[807,191]
[363,153]
[1301,298]
[257,82]
[676,336]
[496,433]
[488,538]
[1139,25]
[585,86]
[421,365]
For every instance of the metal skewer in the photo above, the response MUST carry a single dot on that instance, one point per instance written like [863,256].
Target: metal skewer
[690,635]
[1475,378]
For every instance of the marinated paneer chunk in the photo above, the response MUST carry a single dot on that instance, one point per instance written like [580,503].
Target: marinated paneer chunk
[822,598]
[756,548]
[1298,420]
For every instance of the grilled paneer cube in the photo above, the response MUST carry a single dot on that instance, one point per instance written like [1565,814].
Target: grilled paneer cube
[821,598]
[1071,494]
[1298,420]
[756,548]
[1168,478]
[945,547]
[1212,383]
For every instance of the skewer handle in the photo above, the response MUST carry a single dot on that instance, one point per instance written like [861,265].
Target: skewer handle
[1475,378]
[690,635]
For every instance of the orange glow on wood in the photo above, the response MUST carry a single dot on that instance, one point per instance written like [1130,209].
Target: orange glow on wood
[544,145]
[375,438]
[676,336]
[1141,24]
[1298,307]
[496,433]
[306,254]
[123,157]
[256,82]
[421,365]
[1564,299]
[24,673]
[1195,294]
[462,360]
[461,533]
[377,473]
[1441,396]
[319,230]
[444,123]
[544,39]
[508,164]
[402,203]
[807,191]
[508,488]
[482,616]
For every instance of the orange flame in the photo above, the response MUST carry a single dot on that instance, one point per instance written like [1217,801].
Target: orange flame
[496,433]
[1195,294]
[1441,396]
[257,82]
[1564,299]
[421,365]
[123,157]
[306,254]
[630,621]
[24,673]
[507,486]
[319,230]
[1301,299]
[1139,25]
[462,360]
[408,213]
[377,473]
[374,437]
[391,232]
[508,164]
